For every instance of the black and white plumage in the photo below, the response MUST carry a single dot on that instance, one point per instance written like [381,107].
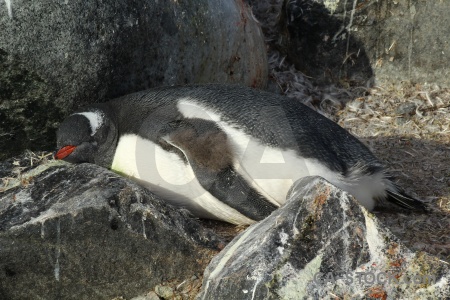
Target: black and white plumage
[224,152]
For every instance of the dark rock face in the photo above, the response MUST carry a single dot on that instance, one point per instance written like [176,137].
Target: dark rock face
[56,56]
[83,232]
[405,39]
[319,44]
[315,41]
[321,243]
[349,42]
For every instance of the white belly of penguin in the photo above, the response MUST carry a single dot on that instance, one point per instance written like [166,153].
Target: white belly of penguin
[169,177]
[272,171]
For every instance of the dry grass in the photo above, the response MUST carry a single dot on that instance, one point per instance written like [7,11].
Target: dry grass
[19,166]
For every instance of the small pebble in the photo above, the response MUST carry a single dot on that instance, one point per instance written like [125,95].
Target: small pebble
[164,292]
[400,121]
[150,296]
[408,108]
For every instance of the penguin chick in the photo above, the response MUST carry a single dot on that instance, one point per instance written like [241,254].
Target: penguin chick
[203,143]
[210,155]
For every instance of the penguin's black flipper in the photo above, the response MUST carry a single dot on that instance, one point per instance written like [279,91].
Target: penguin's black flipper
[208,152]
[232,189]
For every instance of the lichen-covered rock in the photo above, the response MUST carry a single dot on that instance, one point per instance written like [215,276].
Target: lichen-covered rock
[321,244]
[55,56]
[83,232]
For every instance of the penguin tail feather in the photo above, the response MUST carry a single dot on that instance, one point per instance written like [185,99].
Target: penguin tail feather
[400,198]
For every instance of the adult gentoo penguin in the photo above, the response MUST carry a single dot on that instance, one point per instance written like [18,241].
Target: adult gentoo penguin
[223,151]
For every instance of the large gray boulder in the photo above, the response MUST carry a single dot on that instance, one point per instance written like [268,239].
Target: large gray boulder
[322,245]
[83,232]
[56,56]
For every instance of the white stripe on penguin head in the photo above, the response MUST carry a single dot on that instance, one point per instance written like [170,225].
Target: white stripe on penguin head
[95,119]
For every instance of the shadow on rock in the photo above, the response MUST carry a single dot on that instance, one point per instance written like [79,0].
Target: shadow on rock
[316,40]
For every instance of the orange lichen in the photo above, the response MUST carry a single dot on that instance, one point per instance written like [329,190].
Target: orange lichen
[378,293]
[397,263]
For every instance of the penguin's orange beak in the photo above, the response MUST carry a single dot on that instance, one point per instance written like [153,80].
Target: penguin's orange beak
[64,152]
